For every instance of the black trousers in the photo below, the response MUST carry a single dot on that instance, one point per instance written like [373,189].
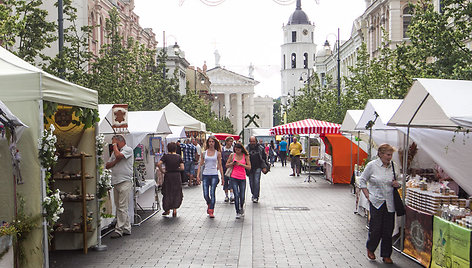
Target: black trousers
[381,226]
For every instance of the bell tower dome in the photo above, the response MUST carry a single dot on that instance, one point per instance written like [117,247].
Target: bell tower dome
[298,53]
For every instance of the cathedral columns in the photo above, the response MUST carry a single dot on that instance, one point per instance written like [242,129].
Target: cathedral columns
[227,104]
[239,113]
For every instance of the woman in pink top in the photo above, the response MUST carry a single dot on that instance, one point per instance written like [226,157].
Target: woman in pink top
[239,160]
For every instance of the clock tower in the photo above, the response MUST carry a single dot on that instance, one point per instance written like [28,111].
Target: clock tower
[298,53]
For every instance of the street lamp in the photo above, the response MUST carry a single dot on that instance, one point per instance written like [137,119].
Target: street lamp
[308,79]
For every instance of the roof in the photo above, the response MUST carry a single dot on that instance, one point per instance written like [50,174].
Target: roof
[436,103]
[298,16]
[380,111]
[177,117]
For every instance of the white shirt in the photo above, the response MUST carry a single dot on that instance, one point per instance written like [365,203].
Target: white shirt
[199,149]
[378,180]
[123,170]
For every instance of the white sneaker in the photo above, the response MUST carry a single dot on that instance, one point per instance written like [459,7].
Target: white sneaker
[238,216]
[241,212]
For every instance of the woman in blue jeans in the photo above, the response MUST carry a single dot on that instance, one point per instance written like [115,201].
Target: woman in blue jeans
[211,163]
[239,160]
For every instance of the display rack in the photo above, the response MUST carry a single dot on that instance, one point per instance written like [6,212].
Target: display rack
[83,198]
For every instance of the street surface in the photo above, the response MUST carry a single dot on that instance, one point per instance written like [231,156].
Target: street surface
[295,224]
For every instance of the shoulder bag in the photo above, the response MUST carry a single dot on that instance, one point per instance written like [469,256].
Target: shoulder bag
[397,200]
[229,170]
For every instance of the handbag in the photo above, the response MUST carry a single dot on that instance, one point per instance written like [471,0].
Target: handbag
[397,200]
[229,170]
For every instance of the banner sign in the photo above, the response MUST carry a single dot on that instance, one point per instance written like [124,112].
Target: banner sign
[418,241]
[451,244]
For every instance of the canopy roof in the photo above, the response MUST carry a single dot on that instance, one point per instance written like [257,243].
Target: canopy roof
[177,133]
[351,119]
[438,103]
[6,116]
[140,124]
[177,117]
[21,81]
[223,136]
[307,126]
[384,108]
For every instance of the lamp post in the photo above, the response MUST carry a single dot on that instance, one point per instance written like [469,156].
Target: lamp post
[308,79]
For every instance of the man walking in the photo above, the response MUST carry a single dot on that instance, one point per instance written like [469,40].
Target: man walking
[198,155]
[189,151]
[256,155]
[225,153]
[121,165]
[295,151]
[283,152]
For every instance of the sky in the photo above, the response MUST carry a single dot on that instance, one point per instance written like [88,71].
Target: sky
[243,31]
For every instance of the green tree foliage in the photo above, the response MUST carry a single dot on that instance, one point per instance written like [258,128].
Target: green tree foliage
[316,102]
[27,32]
[437,46]
[126,72]
[76,55]
[199,108]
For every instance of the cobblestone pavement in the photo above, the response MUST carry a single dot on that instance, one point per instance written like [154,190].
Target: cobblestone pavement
[295,224]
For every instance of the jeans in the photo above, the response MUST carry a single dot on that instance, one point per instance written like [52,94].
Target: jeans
[209,194]
[381,226]
[283,157]
[239,190]
[255,182]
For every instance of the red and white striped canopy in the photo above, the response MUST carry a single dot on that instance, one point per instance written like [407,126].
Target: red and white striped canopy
[307,126]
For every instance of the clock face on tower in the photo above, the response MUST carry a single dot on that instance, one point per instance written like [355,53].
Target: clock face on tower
[305,31]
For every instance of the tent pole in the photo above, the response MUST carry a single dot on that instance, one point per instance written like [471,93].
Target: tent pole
[358,145]
[405,166]
[351,168]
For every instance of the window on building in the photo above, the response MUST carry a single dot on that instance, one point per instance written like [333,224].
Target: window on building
[294,36]
[305,60]
[294,60]
[406,20]
[284,63]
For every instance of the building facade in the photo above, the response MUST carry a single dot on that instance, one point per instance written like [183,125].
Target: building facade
[234,98]
[95,13]
[298,53]
[380,18]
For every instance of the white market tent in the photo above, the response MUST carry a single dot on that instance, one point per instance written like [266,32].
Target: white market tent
[177,117]
[177,133]
[435,108]
[348,127]
[140,124]
[23,90]
[380,111]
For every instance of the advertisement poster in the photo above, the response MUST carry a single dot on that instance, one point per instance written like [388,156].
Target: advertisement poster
[451,245]
[418,235]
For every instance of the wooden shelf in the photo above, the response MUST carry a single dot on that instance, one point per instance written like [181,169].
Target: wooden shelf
[72,179]
[74,156]
[74,232]
[82,200]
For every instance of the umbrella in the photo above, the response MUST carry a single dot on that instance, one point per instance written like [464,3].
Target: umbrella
[307,126]
[223,136]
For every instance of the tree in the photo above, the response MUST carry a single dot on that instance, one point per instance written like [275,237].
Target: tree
[437,46]
[76,56]
[197,107]
[27,32]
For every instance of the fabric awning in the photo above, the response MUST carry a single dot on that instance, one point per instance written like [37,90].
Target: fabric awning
[436,103]
[223,136]
[307,126]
